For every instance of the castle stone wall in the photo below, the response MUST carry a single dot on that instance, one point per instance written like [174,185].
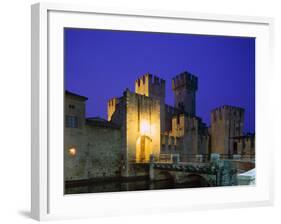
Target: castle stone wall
[226,122]
[170,144]
[75,165]
[142,119]
[245,146]
[90,150]
[189,137]
[170,112]
[104,153]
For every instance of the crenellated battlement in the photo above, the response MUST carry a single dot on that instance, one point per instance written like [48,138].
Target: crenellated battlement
[150,79]
[151,86]
[113,101]
[228,107]
[111,107]
[246,137]
[171,110]
[185,80]
[182,124]
[185,86]
[168,140]
[227,112]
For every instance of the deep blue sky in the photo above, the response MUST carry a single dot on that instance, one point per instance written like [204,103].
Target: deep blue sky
[101,64]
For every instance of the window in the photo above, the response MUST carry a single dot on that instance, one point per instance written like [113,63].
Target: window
[71,106]
[71,121]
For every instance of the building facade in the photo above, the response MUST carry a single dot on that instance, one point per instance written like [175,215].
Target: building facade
[92,146]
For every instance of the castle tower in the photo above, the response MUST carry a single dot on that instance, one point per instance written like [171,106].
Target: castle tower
[185,86]
[227,122]
[154,87]
[151,86]
[193,132]
[111,107]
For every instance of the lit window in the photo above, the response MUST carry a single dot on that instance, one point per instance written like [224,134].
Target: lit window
[72,151]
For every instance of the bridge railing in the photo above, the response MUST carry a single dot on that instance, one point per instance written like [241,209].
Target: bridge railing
[196,158]
[167,158]
[237,156]
[160,158]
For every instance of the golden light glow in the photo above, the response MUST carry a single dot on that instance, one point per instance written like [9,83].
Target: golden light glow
[143,149]
[72,151]
[144,127]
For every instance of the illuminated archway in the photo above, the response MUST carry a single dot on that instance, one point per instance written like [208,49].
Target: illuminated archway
[143,149]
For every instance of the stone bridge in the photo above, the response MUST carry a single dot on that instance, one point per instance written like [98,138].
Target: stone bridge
[218,173]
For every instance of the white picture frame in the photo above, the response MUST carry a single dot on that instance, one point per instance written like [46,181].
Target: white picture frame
[48,201]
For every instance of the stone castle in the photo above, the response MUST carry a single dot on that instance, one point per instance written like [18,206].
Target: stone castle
[140,124]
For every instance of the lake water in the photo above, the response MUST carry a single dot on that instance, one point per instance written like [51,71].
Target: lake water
[136,185]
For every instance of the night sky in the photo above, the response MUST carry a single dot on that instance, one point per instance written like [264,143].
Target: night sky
[101,64]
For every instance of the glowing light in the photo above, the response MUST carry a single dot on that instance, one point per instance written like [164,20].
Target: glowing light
[144,127]
[72,151]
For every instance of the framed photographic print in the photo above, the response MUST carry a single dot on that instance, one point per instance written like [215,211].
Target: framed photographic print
[148,111]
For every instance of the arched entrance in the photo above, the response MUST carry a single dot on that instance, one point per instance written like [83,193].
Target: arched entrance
[143,148]
[194,180]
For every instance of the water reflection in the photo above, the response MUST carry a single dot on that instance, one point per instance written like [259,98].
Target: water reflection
[131,186]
